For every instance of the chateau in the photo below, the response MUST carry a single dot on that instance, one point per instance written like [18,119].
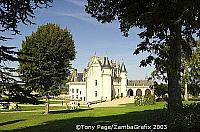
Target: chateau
[103,80]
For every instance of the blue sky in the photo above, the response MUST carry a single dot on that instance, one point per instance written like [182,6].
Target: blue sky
[89,35]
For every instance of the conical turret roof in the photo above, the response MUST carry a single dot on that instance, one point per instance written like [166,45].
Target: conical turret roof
[106,63]
[123,68]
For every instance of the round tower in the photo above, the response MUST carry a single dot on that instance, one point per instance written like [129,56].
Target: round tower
[106,80]
[123,75]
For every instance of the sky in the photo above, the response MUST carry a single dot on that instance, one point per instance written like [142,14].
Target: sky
[90,36]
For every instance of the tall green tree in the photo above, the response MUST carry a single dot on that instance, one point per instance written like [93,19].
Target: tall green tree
[50,50]
[13,13]
[191,76]
[164,23]
[194,65]
[160,90]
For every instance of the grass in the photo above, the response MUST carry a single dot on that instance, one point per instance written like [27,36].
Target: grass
[31,108]
[66,120]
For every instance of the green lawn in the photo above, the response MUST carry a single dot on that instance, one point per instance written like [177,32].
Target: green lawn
[65,121]
[30,108]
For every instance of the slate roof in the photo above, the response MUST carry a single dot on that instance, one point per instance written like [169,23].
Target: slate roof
[80,77]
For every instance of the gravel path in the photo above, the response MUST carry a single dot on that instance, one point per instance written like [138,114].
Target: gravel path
[114,103]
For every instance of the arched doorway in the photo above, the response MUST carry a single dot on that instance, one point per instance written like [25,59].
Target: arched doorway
[130,92]
[138,92]
[147,92]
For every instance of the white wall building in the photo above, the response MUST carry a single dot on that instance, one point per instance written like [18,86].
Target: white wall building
[105,79]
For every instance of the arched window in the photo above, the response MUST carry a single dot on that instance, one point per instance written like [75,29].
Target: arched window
[130,92]
[138,92]
[147,92]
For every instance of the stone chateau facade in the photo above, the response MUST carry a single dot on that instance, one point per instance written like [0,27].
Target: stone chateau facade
[103,80]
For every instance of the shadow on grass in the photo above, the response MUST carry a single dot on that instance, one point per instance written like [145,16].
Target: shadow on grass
[69,125]
[10,122]
[68,111]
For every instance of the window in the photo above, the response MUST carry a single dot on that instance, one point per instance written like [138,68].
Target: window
[80,98]
[84,99]
[80,92]
[72,90]
[76,90]
[95,93]
[95,82]
[76,96]
[72,96]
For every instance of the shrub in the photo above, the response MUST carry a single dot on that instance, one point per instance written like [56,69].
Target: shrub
[145,100]
[160,100]
[186,119]
[139,100]
[149,100]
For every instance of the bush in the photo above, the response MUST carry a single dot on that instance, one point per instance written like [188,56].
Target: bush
[186,119]
[149,100]
[145,100]
[160,100]
[139,100]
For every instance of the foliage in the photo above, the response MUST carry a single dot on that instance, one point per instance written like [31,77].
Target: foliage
[138,101]
[160,89]
[149,99]
[18,11]
[6,73]
[144,100]
[168,27]
[14,13]
[193,65]
[194,89]
[50,51]
[186,119]
[8,84]
[54,90]
[17,93]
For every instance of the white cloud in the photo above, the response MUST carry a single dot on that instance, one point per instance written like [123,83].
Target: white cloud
[80,3]
[81,16]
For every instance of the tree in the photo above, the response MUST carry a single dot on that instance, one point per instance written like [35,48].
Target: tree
[13,13]
[160,90]
[194,65]
[191,76]
[194,89]
[50,49]
[169,24]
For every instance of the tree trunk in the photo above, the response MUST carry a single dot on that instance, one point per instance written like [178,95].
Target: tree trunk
[186,94]
[173,69]
[47,105]
[186,81]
